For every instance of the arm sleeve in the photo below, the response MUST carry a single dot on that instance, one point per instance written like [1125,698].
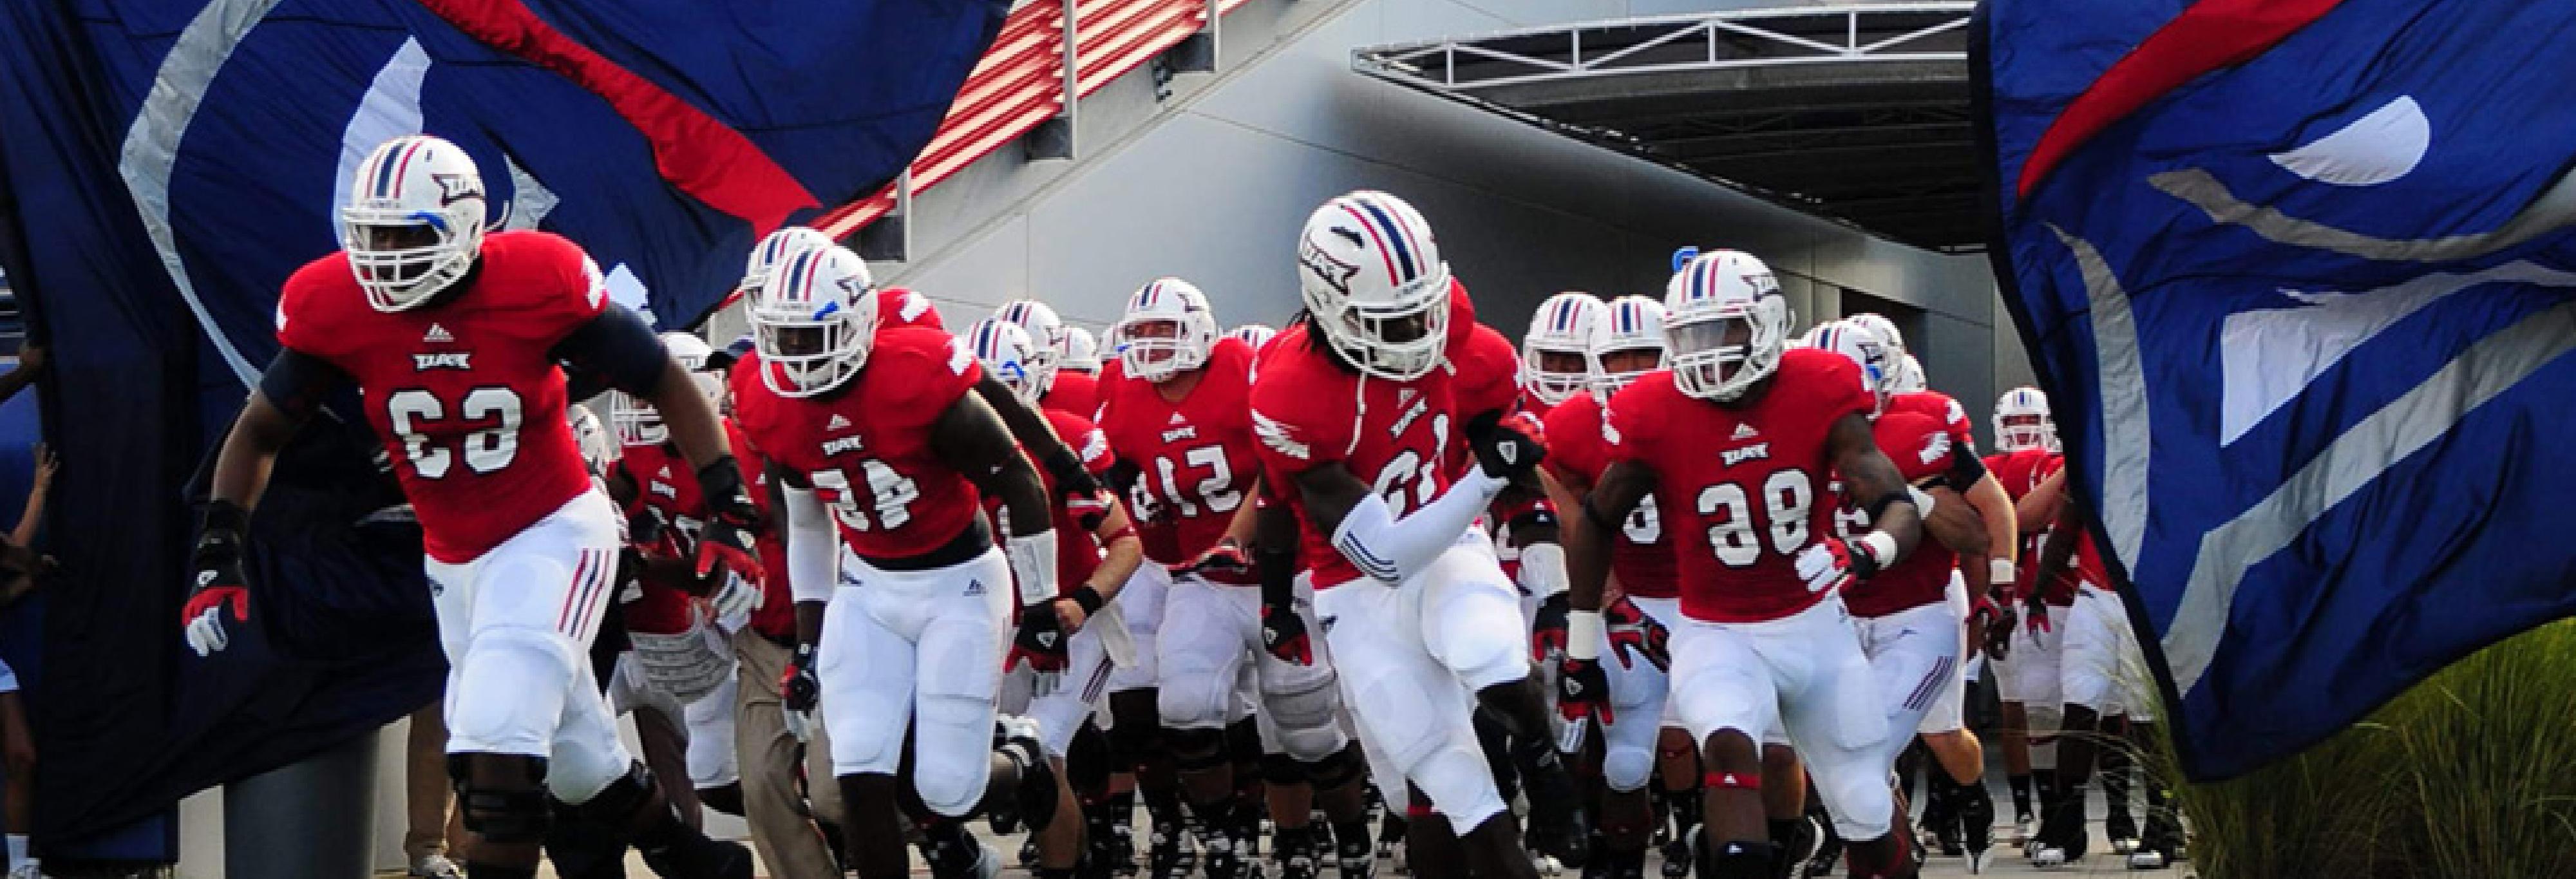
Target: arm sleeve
[1966,470]
[1392,549]
[296,382]
[618,348]
[810,544]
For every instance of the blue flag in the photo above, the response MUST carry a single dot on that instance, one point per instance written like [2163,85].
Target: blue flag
[168,163]
[2299,276]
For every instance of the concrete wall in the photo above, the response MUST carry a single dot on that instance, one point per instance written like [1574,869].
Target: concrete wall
[1209,177]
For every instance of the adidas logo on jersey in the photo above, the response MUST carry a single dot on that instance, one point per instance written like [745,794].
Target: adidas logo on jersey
[837,423]
[974,588]
[1745,431]
[442,360]
[1756,451]
[1177,419]
[437,335]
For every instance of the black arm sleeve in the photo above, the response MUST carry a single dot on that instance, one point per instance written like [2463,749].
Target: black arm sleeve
[297,383]
[617,347]
[1966,471]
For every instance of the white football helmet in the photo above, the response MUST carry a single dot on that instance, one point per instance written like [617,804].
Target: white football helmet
[1006,352]
[1045,330]
[638,422]
[775,248]
[1909,375]
[1080,352]
[1886,329]
[813,321]
[1725,324]
[1857,341]
[1168,330]
[414,221]
[1373,281]
[597,451]
[1563,326]
[2022,421]
[1631,323]
[1254,335]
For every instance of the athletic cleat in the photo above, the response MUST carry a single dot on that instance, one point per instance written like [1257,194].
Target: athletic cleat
[1297,856]
[1168,857]
[1390,836]
[1356,858]
[2123,831]
[701,858]
[1547,866]
[430,866]
[1029,854]
[2025,828]
[1557,824]
[1677,860]
[1977,861]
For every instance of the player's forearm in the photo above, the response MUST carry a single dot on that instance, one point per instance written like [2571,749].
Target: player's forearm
[1274,554]
[32,517]
[250,450]
[1393,549]
[1240,528]
[809,622]
[2040,506]
[1587,561]
[1121,553]
[1030,429]
[2002,524]
[2059,549]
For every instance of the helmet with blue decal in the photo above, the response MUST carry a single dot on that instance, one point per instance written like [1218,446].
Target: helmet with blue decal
[1865,348]
[1254,335]
[1556,353]
[1078,351]
[1372,278]
[1007,353]
[1168,329]
[1046,331]
[813,321]
[1886,329]
[414,221]
[1725,324]
[2022,421]
[775,248]
[1631,324]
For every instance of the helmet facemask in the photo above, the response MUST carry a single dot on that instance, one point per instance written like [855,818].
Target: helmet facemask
[1721,351]
[1398,341]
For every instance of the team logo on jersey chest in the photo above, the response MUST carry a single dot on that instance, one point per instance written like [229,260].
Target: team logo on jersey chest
[1414,410]
[666,490]
[1754,452]
[1178,434]
[442,360]
[844,444]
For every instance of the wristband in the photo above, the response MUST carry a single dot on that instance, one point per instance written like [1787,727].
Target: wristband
[1032,558]
[1088,599]
[224,516]
[1999,572]
[720,482]
[1882,547]
[1584,634]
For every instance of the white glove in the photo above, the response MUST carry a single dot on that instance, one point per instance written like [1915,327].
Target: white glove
[735,598]
[1818,566]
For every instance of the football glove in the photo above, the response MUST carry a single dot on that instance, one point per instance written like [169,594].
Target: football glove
[216,579]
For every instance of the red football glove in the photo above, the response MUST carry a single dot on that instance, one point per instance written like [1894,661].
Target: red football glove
[1226,556]
[1633,633]
[1583,691]
[1547,633]
[1283,633]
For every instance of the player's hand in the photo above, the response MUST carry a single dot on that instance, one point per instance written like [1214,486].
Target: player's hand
[799,691]
[1040,644]
[1999,628]
[726,544]
[2035,614]
[1633,634]
[1226,557]
[1583,690]
[1824,564]
[644,527]
[1283,633]
[738,596]
[1506,449]
[216,579]
[1547,632]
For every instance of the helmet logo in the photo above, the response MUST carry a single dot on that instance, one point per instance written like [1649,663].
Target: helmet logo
[1331,271]
[453,188]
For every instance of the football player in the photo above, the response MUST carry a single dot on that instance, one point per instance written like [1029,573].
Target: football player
[1177,416]
[1356,416]
[1081,352]
[1058,388]
[1066,651]
[2026,655]
[880,436]
[2099,669]
[1737,440]
[1619,341]
[1908,626]
[454,338]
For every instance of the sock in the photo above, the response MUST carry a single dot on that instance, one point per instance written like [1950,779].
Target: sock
[2115,777]
[2020,793]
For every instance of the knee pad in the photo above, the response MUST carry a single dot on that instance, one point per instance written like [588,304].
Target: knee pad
[1197,750]
[1625,768]
[1282,769]
[952,786]
[1338,768]
[1195,700]
[1089,761]
[506,801]
[517,678]
[1309,720]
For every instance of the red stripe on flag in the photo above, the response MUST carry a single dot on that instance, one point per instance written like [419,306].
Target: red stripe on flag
[2210,35]
[703,157]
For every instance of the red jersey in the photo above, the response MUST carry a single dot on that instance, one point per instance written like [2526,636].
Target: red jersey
[1920,447]
[464,391]
[776,616]
[1072,392]
[667,490]
[1485,376]
[1942,409]
[1640,557]
[1077,551]
[1308,411]
[1743,487]
[2019,472]
[1194,458]
[865,447]
[901,307]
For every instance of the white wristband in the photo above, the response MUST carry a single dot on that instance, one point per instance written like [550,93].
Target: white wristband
[2000,572]
[1584,634]
[1882,546]
[1032,559]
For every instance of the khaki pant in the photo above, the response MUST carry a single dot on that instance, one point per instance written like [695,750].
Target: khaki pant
[786,840]
[432,827]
